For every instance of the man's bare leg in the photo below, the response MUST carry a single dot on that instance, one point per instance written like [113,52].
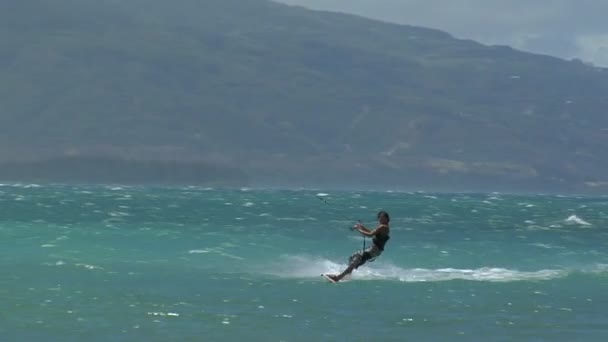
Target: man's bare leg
[346,272]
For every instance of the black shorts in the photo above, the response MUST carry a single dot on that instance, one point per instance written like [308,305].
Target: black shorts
[359,259]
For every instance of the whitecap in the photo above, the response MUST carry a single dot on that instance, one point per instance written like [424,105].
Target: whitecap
[573,219]
[543,245]
[321,194]
[90,267]
[118,214]
[249,204]
[231,256]
[596,269]
[294,219]
[164,314]
[199,251]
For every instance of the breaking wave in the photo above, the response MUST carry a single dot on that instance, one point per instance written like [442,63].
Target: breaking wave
[303,267]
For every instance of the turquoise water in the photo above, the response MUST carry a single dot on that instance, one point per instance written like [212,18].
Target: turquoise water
[101,263]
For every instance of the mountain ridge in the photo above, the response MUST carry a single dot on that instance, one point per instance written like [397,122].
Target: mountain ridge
[286,93]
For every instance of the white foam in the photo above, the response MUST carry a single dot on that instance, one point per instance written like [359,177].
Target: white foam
[231,256]
[321,194]
[90,267]
[199,251]
[118,214]
[249,204]
[543,245]
[295,219]
[573,219]
[309,267]
[596,269]
[164,314]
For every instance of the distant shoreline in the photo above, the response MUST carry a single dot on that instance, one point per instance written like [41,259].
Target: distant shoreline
[108,171]
[114,170]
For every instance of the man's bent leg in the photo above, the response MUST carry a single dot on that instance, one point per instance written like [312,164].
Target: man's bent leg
[356,261]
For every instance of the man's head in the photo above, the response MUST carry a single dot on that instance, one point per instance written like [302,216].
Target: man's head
[383,217]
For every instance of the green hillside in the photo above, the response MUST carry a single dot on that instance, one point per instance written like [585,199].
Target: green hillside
[294,96]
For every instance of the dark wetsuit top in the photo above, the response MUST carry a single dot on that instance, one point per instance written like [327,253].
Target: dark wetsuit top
[380,241]
[362,257]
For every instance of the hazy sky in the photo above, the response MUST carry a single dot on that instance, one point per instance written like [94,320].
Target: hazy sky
[563,28]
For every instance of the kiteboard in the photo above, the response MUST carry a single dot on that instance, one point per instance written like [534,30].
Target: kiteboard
[327,276]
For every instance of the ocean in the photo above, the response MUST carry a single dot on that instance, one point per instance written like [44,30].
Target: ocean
[117,263]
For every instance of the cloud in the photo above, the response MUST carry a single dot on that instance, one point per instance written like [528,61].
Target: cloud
[594,48]
[563,28]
